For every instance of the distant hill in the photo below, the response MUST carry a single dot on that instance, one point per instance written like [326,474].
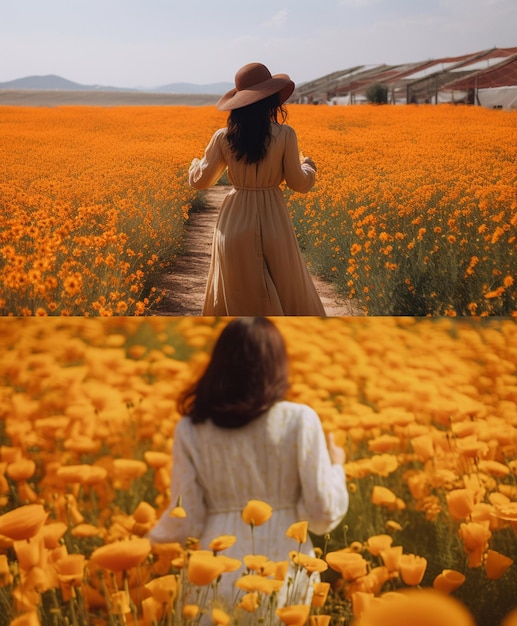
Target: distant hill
[51,82]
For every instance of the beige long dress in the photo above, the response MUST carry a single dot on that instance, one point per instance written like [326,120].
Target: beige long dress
[257,267]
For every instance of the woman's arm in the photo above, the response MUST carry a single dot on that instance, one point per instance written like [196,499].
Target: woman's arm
[324,499]
[299,175]
[205,172]
[184,487]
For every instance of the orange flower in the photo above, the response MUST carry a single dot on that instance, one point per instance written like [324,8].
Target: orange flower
[20,470]
[222,542]
[412,568]
[349,564]
[448,581]
[122,555]
[460,503]
[23,522]
[309,563]
[163,589]
[298,531]
[295,615]
[319,597]
[382,496]
[27,619]
[496,564]
[256,512]
[319,620]
[361,600]
[83,474]
[204,567]
[425,607]
[377,543]
[249,602]
[189,611]
[254,582]
[220,618]
[70,569]
[391,557]
[120,603]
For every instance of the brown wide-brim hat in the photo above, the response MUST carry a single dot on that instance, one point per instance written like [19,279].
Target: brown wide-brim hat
[254,82]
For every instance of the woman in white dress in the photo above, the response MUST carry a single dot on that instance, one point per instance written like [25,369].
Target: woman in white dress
[257,267]
[240,441]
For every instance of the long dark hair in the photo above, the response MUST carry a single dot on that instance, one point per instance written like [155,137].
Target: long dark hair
[249,128]
[247,374]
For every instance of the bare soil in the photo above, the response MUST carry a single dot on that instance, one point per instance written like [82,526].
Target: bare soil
[184,283]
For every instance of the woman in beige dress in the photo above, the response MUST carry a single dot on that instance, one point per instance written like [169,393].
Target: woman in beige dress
[256,267]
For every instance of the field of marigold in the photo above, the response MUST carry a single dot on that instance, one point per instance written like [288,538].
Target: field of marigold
[424,407]
[414,209]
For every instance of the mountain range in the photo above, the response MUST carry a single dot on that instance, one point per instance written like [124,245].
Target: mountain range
[51,82]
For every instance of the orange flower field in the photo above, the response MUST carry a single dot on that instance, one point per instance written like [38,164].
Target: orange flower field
[414,210]
[426,409]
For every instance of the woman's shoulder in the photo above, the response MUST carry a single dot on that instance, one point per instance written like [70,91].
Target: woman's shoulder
[295,410]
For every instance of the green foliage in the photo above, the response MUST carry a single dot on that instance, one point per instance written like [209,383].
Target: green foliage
[377,94]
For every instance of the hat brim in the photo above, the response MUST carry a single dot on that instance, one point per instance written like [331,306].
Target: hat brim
[234,99]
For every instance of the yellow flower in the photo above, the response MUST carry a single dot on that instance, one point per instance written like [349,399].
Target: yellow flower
[122,555]
[178,511]
[350,564]
[204,567]
[319,597]
[189,611]
[319,620]
[448,580]
[163,589]
[377,543]
[298,531]
[256,512]
[23,522]
[220,618]
[295,615]
[412,568]
[222,543]
[120,603]
[249,602]
[496,564]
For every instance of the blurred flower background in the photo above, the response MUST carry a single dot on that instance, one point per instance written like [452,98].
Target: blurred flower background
[426,409]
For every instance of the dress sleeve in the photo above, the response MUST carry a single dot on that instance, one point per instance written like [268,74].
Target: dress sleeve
[324,498]
[299,176]
[184,484]
[205,172]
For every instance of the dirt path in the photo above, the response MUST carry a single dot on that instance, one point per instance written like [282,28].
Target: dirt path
[184,286]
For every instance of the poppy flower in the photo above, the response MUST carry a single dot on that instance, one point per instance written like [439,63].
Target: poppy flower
[120,603]
[189,611]
[152,611]
[309,563]
[496,564]
[382,496]
[412,568]
[460,503]
[255,562]
[361,600]
[24,522]
[163,589]
[256,512]
[319,597]
[52,534]
[249,602]
[254,582]
[70,569]
[448,580]
[220,618]
[350,565]
[319,620]
[29,552]
[298,531]
[295,615]
[204,567]
[375,544]
[30,618]
[122,555]
[21,470]
[223,542]
[83,474]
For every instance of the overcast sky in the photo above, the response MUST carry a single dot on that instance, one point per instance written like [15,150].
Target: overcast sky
[147,43]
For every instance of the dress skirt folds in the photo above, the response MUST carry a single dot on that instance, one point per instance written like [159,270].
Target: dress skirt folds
[257,267]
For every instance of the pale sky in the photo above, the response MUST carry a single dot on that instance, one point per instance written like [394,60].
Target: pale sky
[147,43]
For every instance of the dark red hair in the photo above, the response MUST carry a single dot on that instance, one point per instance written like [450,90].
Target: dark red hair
[247,374]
